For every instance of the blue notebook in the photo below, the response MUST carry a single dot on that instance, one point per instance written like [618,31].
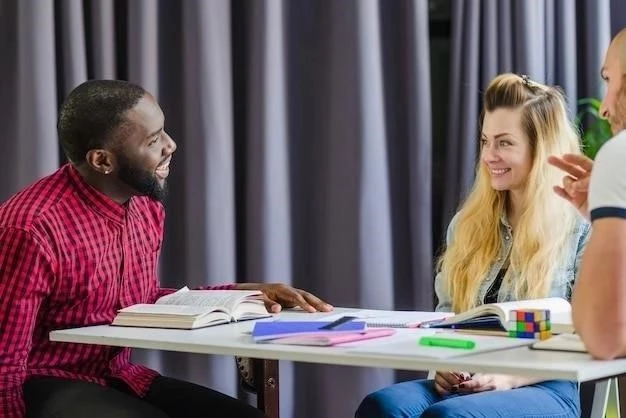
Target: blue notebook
[267,330]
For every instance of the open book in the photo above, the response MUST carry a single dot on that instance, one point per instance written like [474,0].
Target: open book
[189,309]
[495,316]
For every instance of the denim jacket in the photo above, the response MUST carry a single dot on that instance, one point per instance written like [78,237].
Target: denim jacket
[564,275]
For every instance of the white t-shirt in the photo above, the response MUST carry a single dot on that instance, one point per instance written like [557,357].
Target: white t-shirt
[607,188]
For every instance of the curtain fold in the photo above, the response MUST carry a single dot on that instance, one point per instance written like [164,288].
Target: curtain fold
[540,38]
[103,47]
[36,150]
[207,145]
[265,200]
[70,34]
[143,52]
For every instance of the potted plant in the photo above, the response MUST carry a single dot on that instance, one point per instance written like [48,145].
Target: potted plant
[595,130]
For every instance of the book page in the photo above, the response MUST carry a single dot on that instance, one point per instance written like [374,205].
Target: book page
[555,305]
[163,309]
[223,299]
[502,309]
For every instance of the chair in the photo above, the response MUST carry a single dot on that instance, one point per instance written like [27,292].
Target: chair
[260,377]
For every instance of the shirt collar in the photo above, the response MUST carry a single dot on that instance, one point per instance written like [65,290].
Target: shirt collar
[95,199]
[504,221]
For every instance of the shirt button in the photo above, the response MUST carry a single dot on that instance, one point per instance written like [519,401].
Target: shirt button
[506,237]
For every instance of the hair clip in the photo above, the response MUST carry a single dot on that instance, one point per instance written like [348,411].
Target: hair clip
[526,80]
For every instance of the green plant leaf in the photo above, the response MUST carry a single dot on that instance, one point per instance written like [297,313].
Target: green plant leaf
[595,130]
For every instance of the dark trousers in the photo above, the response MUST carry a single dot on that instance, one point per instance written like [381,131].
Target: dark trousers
[49,397]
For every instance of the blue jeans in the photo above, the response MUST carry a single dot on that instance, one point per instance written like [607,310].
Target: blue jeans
[418,398]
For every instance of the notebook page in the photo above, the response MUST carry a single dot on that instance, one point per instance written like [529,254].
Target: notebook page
[391,319]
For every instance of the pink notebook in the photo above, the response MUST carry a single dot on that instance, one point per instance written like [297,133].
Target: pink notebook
[325,338]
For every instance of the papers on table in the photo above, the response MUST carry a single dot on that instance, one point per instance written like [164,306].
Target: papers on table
[391,319]
[406,344]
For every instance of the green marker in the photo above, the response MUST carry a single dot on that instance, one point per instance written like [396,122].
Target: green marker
[447,342]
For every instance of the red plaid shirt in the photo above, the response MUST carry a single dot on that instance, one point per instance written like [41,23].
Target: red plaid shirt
[70,257]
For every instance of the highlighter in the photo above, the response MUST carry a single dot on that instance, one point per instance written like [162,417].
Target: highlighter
[447,342]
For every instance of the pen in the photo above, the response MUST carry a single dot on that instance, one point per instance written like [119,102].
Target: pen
[447,342]
[338,322]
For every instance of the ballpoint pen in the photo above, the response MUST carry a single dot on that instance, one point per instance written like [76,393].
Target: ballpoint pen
[338,322]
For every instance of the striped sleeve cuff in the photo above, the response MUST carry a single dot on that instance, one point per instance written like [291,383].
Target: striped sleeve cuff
[608,212]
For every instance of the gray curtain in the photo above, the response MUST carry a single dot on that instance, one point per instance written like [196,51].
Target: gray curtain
[305,137]
[304,133]
[560,42]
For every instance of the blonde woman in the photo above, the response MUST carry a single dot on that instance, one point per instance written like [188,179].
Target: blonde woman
[512,239]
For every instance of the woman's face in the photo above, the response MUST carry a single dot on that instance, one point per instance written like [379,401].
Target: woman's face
[505,150]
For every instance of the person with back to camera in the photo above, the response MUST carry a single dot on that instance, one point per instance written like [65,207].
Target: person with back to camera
[598,190]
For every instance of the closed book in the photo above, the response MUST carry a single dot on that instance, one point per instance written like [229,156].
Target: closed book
[331,338]
[268,330]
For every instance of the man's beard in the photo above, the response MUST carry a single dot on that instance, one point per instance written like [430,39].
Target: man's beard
[618,120]
[142,181]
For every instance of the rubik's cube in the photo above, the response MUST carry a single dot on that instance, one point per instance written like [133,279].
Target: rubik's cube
[530,323]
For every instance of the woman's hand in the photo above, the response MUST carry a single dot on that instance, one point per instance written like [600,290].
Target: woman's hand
[485,382]
[448,382]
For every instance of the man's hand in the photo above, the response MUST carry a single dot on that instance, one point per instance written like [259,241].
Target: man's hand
[484,382]
[575,188]
[278,295]
[448,382]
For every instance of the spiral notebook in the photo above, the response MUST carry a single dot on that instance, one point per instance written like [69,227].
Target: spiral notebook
[392,319]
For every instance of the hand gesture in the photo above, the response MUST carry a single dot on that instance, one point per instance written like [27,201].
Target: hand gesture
[484,382]
[278,296]
[448,382]
[575,188]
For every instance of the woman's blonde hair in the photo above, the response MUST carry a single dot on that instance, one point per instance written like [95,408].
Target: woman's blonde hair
[546,221]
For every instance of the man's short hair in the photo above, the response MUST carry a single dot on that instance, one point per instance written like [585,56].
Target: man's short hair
[91,114]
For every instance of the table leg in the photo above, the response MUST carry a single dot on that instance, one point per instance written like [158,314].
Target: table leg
[600,398]
[266,378]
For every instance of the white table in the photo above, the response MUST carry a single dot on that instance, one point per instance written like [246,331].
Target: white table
[231,340]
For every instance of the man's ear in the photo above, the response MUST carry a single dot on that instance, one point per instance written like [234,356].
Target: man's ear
[101,160]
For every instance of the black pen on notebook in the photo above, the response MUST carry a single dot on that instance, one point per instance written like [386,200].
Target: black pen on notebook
[338,322]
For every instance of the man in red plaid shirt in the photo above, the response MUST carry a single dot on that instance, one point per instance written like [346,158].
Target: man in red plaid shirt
[83,242]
